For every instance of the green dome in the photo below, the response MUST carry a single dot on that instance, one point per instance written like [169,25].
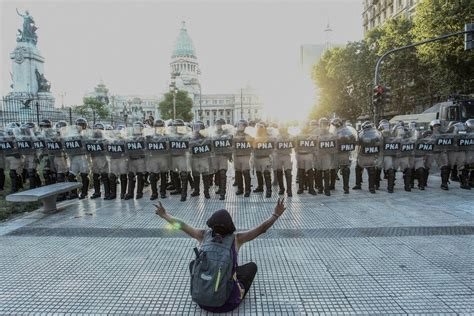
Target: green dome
[184,45]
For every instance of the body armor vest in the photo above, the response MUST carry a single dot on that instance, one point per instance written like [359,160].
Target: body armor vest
[306,144]
[179,145]
[327,144]
[116,148]
[156,145]
[136,147]
[74,145]
[201,147]
[242,145]
[263,147]
[284,145]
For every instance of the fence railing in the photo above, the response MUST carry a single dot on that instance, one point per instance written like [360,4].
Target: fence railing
[38,110]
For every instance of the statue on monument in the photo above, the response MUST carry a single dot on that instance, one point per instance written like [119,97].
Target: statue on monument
[28,34]
[43,83]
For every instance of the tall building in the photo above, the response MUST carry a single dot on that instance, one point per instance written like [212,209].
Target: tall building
[376,12]
[184,75]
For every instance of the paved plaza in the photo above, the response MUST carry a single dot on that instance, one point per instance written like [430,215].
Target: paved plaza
[361,253]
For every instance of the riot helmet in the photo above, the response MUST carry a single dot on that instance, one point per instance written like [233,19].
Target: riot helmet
[109,127]
[120,127]
[412,125]
[261,129]
[30,125]
[366,125]
[242,125]
[336,122]
[13,125]
[177,122]
[434,124]
[46,123]
[470,124]
[81,122]
[138,128]
[100,126]
[159,123]
[198,126]
[384,125]
[60,124]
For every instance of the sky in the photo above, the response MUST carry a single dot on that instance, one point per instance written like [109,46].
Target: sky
[128,45]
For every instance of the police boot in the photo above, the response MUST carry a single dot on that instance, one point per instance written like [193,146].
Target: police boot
[407,179]
[346,172]
[96,184]
[32,178]
[390,180]
[38,180]
[319,180]
[427,173]
[310,176]
[378,173]
[332,184]
[288,178]
[163,182]
[146,177]
[279,175]
[140,185]
[222,183]
[85,185]
[154,186]
[2,179]
[24,175]
[454,174]
[175,179]
[275,178]
[301,180]
[191,180]
[47,175]
[464,180]
[444,177]
[104,177]
[420,174]
[358,178]
[183,175]
[14,181]
[240,183]
[412,179]
[327,182]
[196,185]
[247,182]
[235,179]
[471,179]
[123,186]
[217,180]
[131,186]
[73,194]
[268,183]
[113,186]
[206,181]
[259,187]
[372,179]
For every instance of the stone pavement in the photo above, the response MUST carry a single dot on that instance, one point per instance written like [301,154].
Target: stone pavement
[401,253]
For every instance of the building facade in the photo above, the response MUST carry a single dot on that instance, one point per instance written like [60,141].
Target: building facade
[376,12]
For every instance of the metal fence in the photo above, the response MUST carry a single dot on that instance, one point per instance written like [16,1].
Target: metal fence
[37,110]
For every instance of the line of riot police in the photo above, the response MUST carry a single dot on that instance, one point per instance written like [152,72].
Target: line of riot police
[187,155]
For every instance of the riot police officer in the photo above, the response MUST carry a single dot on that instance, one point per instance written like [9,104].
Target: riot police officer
[179,150]
[222,146]
[370,143]
[96,146]
[118,161]
[306,145]
[457,156]
[78,160]
[443,143]
[242,155]
[136,161]
[284,146]
[2,160]
[326,153]
[405,157]
[200,149]
[49,174]
[13,159]
[469,144]
[158,159]
[24,142]
[346,142]
[262,150]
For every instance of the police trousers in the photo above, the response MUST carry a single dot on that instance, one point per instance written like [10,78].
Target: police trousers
[220,162]
[179,163]
[100,164]
[367,161]
[441,159]
[388,162]
[343,159]
[305,161]
[326,161]
[201,165]
[59,164]
[119,165]
[457,158]
[14,163]
[136,165]
[241,163]
[158,163]
[78,164]
[31,162]
[282,162]
[262,164]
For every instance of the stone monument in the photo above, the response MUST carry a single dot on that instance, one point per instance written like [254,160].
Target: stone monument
[29,82]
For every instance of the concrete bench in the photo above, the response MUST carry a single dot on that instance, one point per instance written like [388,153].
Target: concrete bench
[47,194]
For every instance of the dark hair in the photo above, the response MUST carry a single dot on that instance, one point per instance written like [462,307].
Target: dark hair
[221,223]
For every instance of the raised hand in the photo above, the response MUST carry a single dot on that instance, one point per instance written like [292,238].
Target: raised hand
[160,210]
[280,207]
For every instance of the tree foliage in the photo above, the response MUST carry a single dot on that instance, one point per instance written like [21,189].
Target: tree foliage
[183,106]
[417,77]
[92,105]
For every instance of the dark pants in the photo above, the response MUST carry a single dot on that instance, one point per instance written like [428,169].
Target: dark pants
[245,274]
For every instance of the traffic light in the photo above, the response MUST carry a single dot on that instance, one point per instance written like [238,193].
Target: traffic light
[378,95]
[469,37]
[386,95]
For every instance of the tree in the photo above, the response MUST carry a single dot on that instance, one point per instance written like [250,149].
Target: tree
[183,106]
[92,106]
[451,68]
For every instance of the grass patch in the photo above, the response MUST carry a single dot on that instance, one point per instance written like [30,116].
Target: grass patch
[9,209]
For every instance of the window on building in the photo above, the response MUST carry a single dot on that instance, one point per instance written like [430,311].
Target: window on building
[214,102]
[221,112]
[221,101]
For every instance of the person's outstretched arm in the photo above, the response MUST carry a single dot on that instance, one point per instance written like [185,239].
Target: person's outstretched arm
[175,222]
[249,235]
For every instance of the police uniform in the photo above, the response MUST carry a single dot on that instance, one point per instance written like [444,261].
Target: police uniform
[13,160]
[56,155]
[370,145]
[116,151]
[405,156]
[136,162]
[24,142]
[222,149]
[284,145]
[457,156]
[326,153]
[200,149]
[242,156]
[263,148]
[179,150]
[306,145]
[443,144]
[346,143]
[96,147]
[158,159]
